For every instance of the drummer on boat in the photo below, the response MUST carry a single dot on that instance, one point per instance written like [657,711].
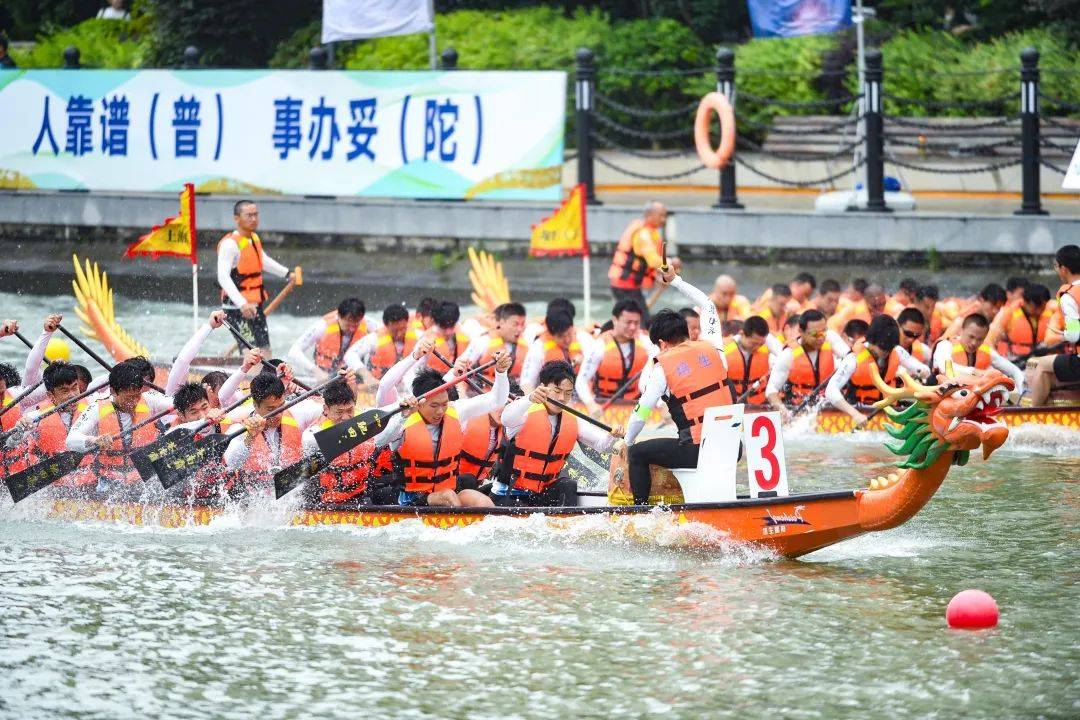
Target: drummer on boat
[241,262]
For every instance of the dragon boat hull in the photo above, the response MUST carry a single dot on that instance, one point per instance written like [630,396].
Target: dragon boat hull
[790,526]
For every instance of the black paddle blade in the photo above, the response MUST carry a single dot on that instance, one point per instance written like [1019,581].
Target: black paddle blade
[344,436]
[144,458]
[184,462]
[43,474]
[288,479]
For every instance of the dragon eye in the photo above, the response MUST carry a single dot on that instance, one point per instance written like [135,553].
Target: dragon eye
[963,393]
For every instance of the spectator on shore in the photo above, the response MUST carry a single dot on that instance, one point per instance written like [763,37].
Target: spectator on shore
[6,63]
[114,11]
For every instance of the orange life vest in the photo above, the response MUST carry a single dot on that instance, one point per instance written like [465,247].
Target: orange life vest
[744,374]
[15,459]
[424,467]
[861,388]
[921,351]
[805,377]
[115,460]
[331,347]
[261,462]
[518,351]
[738,309]
[537,455]
[247,275]
[1074,292]
[937,325]
[461,342]
[477,450]
[980,359]
[1020,335]
[614,370]
[552,351]
[696,381]
[347,475]
[628,270]
[51,436]
[776,324]
[386,353]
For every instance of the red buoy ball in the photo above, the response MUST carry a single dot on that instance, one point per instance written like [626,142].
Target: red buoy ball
[972,610]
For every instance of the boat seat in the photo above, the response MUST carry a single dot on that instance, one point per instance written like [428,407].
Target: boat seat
[713,480]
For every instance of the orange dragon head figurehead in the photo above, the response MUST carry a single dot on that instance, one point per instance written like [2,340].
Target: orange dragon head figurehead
[957,415]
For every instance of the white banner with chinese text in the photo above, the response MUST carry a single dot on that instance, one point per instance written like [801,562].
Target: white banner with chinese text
[496,135]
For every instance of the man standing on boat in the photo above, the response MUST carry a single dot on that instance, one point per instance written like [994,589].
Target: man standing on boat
[690,376]
[240,265]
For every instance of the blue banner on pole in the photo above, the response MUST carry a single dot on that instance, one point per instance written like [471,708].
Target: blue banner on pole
[788,18]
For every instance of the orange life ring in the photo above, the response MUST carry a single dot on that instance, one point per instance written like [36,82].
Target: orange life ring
[715,159]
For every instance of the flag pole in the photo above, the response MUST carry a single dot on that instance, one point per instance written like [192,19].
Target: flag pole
[585,280]
[194,258]
[432,49]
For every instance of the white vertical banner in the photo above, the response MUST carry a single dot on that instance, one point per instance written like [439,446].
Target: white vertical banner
[765,461]
[359,19]
[1072,174]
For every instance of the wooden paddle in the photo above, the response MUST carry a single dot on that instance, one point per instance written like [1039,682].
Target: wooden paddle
[181,464]
[22,337]
[289,478]
[622,389]
[22,396]
[97,358]
[296,280]
[45,473]
[266,364]
[144,457]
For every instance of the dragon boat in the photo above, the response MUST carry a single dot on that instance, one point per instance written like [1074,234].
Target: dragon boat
[938,430]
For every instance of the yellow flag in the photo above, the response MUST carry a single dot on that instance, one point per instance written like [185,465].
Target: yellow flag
[175,236]
[564,232]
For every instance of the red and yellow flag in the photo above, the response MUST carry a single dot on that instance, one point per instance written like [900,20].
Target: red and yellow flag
[175,236]
[563,233]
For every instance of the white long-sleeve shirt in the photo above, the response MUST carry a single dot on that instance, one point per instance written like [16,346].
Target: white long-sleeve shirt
[32,373]
[839,345]
[302,353]
[359,355]
[178,375]
[397,378]
[86,429]
[656,386]
[943,354]
[466,409]
[1071,314]
[781,369]
[846,369]
[228,255]
[305,413]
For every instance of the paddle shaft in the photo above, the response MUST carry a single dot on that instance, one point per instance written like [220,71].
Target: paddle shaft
[97,358]
[474,383]
[22,337]
[269,366]
[66,404]
[21,396]
[813,394]
[749,390]
[207,423]
[622,389]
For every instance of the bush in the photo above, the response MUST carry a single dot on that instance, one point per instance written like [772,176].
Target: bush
[101,43]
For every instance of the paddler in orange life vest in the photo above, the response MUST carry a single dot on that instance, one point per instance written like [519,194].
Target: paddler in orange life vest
[617,356]
[541,437]
[904,297]
[969,354]
[799,370]
[558,341]
[427,439]
[727,301]
[345,480]
[267,444]
[690,376]
[34,440]
[853,384]
[926,301]
[828,299]
[12,386]
[450,341]
[241,262]
[97,430]
[1025,327]
[321,350]
[193,408]
[379,351]
[749,360]
[1064,368]
[638,253]
[505,334]
[912,330]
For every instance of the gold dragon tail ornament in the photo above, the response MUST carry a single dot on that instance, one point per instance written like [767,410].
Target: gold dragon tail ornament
[490,288]
[94,306]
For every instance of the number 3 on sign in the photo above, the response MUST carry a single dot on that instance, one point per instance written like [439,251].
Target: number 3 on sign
[765,461]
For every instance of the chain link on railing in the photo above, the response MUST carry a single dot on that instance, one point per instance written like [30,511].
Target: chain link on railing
[642,134]
[952,148]
[642,112]
[1060,125]
[993,167]
[644,176]
[799,183]
[808,156]
[1063,104]
[836,102]
[941,105]
[1047,164]
[774,129]
[656,73]
[607,142]
[1048,143]
[947,128]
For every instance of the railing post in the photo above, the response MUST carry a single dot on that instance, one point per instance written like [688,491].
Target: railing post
[584,89]
[71,58]
[875,131]
[725,85]
[449,59]
[191,57]
[1029,133]
[318,58]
